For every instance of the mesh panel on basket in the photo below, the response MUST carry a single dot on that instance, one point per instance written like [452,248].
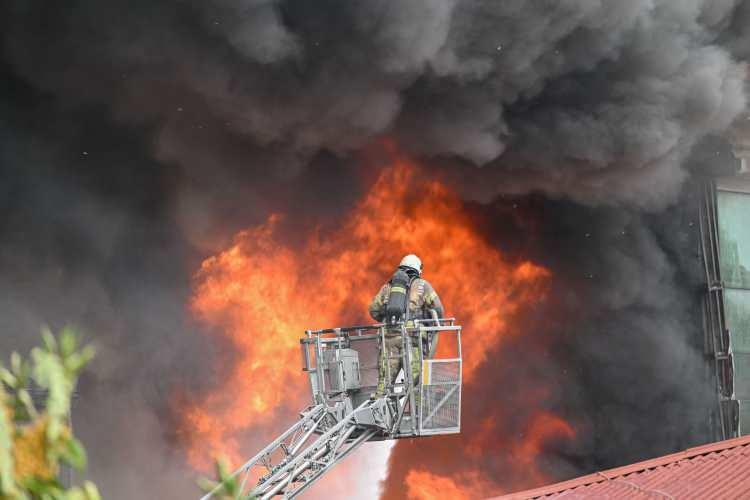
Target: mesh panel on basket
[444,372]
[446,415]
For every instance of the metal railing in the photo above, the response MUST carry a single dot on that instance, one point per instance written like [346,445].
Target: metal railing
[435,389]
[344,415]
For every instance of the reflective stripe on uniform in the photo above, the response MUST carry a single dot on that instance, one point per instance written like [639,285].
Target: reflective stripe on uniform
[398,289]
[431,296]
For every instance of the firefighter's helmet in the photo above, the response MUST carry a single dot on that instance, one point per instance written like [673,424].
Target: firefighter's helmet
[412,262]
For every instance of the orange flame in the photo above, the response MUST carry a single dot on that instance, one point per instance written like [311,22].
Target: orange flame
[261,294]
[424,485]
[544,427]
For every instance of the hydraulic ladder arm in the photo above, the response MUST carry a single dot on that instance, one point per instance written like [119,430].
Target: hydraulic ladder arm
[342,417]
[299,456]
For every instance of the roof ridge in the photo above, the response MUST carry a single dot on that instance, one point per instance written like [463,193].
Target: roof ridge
[609,474]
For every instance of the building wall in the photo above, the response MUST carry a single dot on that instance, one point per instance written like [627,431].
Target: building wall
[725,229]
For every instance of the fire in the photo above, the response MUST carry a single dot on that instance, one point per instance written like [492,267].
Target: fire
[541,429]
[423,485]
[259,295]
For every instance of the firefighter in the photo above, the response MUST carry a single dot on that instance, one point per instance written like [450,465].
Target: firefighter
[405,297]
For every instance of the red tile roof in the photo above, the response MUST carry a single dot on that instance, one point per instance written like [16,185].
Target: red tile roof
[717,470]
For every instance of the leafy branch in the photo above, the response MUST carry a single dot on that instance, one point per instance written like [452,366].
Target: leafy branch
[34,442]
[226,487]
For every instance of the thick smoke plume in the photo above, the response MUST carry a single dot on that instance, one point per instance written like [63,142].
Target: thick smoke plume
[136,138]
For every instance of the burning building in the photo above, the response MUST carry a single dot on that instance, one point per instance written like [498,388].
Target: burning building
[196,183]
[727,307]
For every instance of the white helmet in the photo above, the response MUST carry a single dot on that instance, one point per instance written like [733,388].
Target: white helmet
[413,262]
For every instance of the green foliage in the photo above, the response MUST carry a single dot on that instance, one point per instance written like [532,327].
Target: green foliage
[8,487]
[34,443]
[227,487]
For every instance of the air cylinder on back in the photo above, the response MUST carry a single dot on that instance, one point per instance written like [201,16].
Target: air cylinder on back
[398,298]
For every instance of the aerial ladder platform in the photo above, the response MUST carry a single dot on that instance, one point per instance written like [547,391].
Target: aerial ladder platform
[342,366]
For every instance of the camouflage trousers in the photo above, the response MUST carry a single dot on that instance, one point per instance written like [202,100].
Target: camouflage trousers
[394,350]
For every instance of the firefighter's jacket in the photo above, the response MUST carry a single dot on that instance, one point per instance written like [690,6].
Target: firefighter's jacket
[422,298]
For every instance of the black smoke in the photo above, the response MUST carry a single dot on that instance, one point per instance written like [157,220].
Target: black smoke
[137,137]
